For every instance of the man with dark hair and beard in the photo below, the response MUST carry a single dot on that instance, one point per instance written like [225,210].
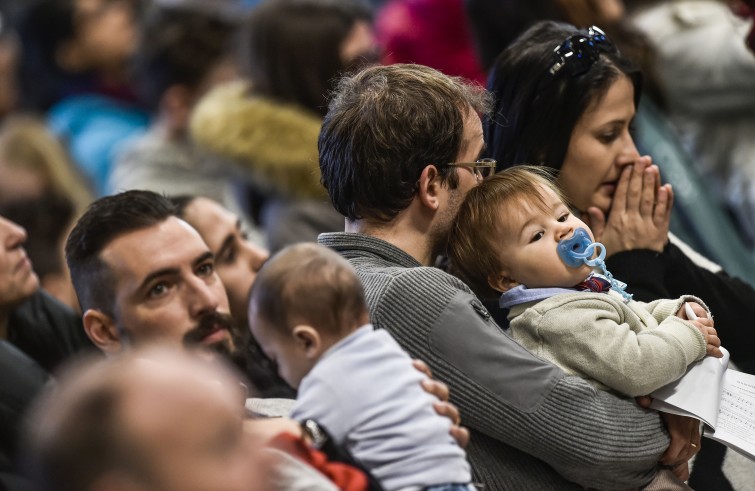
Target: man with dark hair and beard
[141,274]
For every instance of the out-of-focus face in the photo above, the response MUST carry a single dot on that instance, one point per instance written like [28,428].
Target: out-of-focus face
[166,288]
[599,148]
[237,260]
[528,247]
[106,31]
[187,422]
[360,46]
[19,182]
[17,278]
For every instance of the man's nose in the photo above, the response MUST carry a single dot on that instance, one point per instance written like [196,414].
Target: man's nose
[255,255]
[202,297]
[13,235]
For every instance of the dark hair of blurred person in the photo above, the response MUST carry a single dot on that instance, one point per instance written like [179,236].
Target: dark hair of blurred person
[10,50]
[183,52]
[179,53]
[293,49]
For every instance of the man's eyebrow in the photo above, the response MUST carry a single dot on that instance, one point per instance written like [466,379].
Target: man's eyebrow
[157,274]
[204,257]
[228,241]
[207,255]
[225,245]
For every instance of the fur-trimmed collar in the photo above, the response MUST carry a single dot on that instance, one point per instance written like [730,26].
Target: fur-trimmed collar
[275,141]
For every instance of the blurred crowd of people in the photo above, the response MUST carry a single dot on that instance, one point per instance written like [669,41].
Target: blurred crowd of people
[155,154]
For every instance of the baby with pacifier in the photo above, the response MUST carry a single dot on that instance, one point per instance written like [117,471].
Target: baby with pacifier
[516,239]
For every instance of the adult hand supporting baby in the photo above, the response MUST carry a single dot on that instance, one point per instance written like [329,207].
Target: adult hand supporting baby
[685,440]
[443,407]
[640,211]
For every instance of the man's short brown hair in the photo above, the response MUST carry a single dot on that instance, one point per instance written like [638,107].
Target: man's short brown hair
[384,126]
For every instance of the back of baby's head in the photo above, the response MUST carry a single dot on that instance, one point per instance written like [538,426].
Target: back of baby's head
[308,284]
[488,214]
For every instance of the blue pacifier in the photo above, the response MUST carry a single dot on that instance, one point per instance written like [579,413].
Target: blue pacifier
[579,249]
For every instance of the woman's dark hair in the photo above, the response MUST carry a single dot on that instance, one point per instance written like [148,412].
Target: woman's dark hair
[291,49]
[179,46]
[535,110]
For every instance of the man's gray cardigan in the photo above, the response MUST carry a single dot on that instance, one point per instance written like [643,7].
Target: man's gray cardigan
[532,427]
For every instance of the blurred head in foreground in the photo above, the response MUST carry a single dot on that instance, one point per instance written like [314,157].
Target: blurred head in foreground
[152,419]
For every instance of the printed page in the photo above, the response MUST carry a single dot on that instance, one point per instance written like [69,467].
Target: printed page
[736,419]
[697,393]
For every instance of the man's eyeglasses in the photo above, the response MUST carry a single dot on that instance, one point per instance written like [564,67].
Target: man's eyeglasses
[580,51]
[481,169]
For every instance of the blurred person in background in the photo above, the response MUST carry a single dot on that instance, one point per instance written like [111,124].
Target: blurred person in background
[291,51]
[708,76]
[75,70]
[184,51]
[37,334]
[43,191]
[435,33]
[9,59]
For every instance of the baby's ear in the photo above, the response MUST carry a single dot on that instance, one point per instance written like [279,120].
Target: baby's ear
[501,281]
[307,338]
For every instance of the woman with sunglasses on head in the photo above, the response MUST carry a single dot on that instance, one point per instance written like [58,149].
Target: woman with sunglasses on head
[565,99]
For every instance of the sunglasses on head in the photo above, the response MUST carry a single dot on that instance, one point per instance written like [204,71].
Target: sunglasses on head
[579,52]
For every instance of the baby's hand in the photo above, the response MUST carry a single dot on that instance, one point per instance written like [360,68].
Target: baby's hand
[702,320]
[691,311]
[712,342]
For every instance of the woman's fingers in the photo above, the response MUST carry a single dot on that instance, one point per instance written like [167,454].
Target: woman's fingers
[663,201]
[619,204]
[650,178]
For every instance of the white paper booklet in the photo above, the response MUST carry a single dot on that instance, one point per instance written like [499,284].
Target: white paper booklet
[722,398]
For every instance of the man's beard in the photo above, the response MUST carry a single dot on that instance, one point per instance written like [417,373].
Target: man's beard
[208,324]
[439,235]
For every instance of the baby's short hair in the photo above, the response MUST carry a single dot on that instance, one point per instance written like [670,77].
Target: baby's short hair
[476,231]
[308,284]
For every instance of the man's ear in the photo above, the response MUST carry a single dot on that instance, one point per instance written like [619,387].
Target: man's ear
[102,330]
[429,187]
[309,339]
[501,281]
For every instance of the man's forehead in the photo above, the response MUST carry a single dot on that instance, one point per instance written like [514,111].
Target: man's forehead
[473,137]
[171,243]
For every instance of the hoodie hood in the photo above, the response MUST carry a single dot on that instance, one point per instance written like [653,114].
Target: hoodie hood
[273,141]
